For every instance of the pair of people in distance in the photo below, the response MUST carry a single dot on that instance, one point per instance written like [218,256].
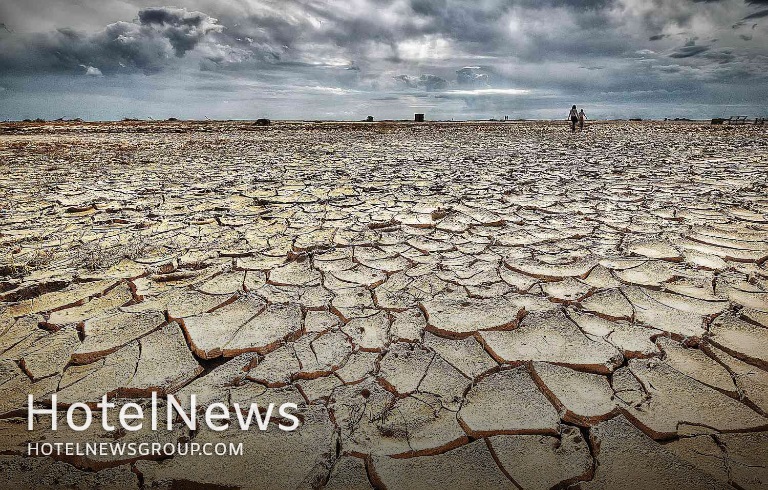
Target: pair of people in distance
[577,117]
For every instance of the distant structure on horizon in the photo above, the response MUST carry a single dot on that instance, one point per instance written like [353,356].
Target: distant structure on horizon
[418,117]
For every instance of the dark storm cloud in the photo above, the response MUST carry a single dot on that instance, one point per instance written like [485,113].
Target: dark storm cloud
[333,56]
[688,51]
[562,23]
[751,18]
[184,30]
[365,33]
[147,44]
[482,27]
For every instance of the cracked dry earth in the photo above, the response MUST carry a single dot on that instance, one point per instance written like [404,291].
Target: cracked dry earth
[451,306]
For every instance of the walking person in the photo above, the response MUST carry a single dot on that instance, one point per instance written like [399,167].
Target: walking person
[582,118]
[574,117]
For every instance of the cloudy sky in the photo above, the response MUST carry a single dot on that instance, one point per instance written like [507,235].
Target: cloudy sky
[346,59]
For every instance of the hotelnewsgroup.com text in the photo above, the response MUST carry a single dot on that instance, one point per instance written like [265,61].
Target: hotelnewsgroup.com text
[144,449]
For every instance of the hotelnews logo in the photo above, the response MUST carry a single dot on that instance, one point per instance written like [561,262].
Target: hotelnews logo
[132,417]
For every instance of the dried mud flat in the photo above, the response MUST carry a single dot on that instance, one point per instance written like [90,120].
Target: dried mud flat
[456,305]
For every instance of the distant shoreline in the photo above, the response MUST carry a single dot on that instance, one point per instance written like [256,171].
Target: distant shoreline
[180,122]
[8,129]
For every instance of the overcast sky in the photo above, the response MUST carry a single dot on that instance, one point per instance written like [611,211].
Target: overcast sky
[346,59]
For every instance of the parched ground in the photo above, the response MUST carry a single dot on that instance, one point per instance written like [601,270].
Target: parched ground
[452,306]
